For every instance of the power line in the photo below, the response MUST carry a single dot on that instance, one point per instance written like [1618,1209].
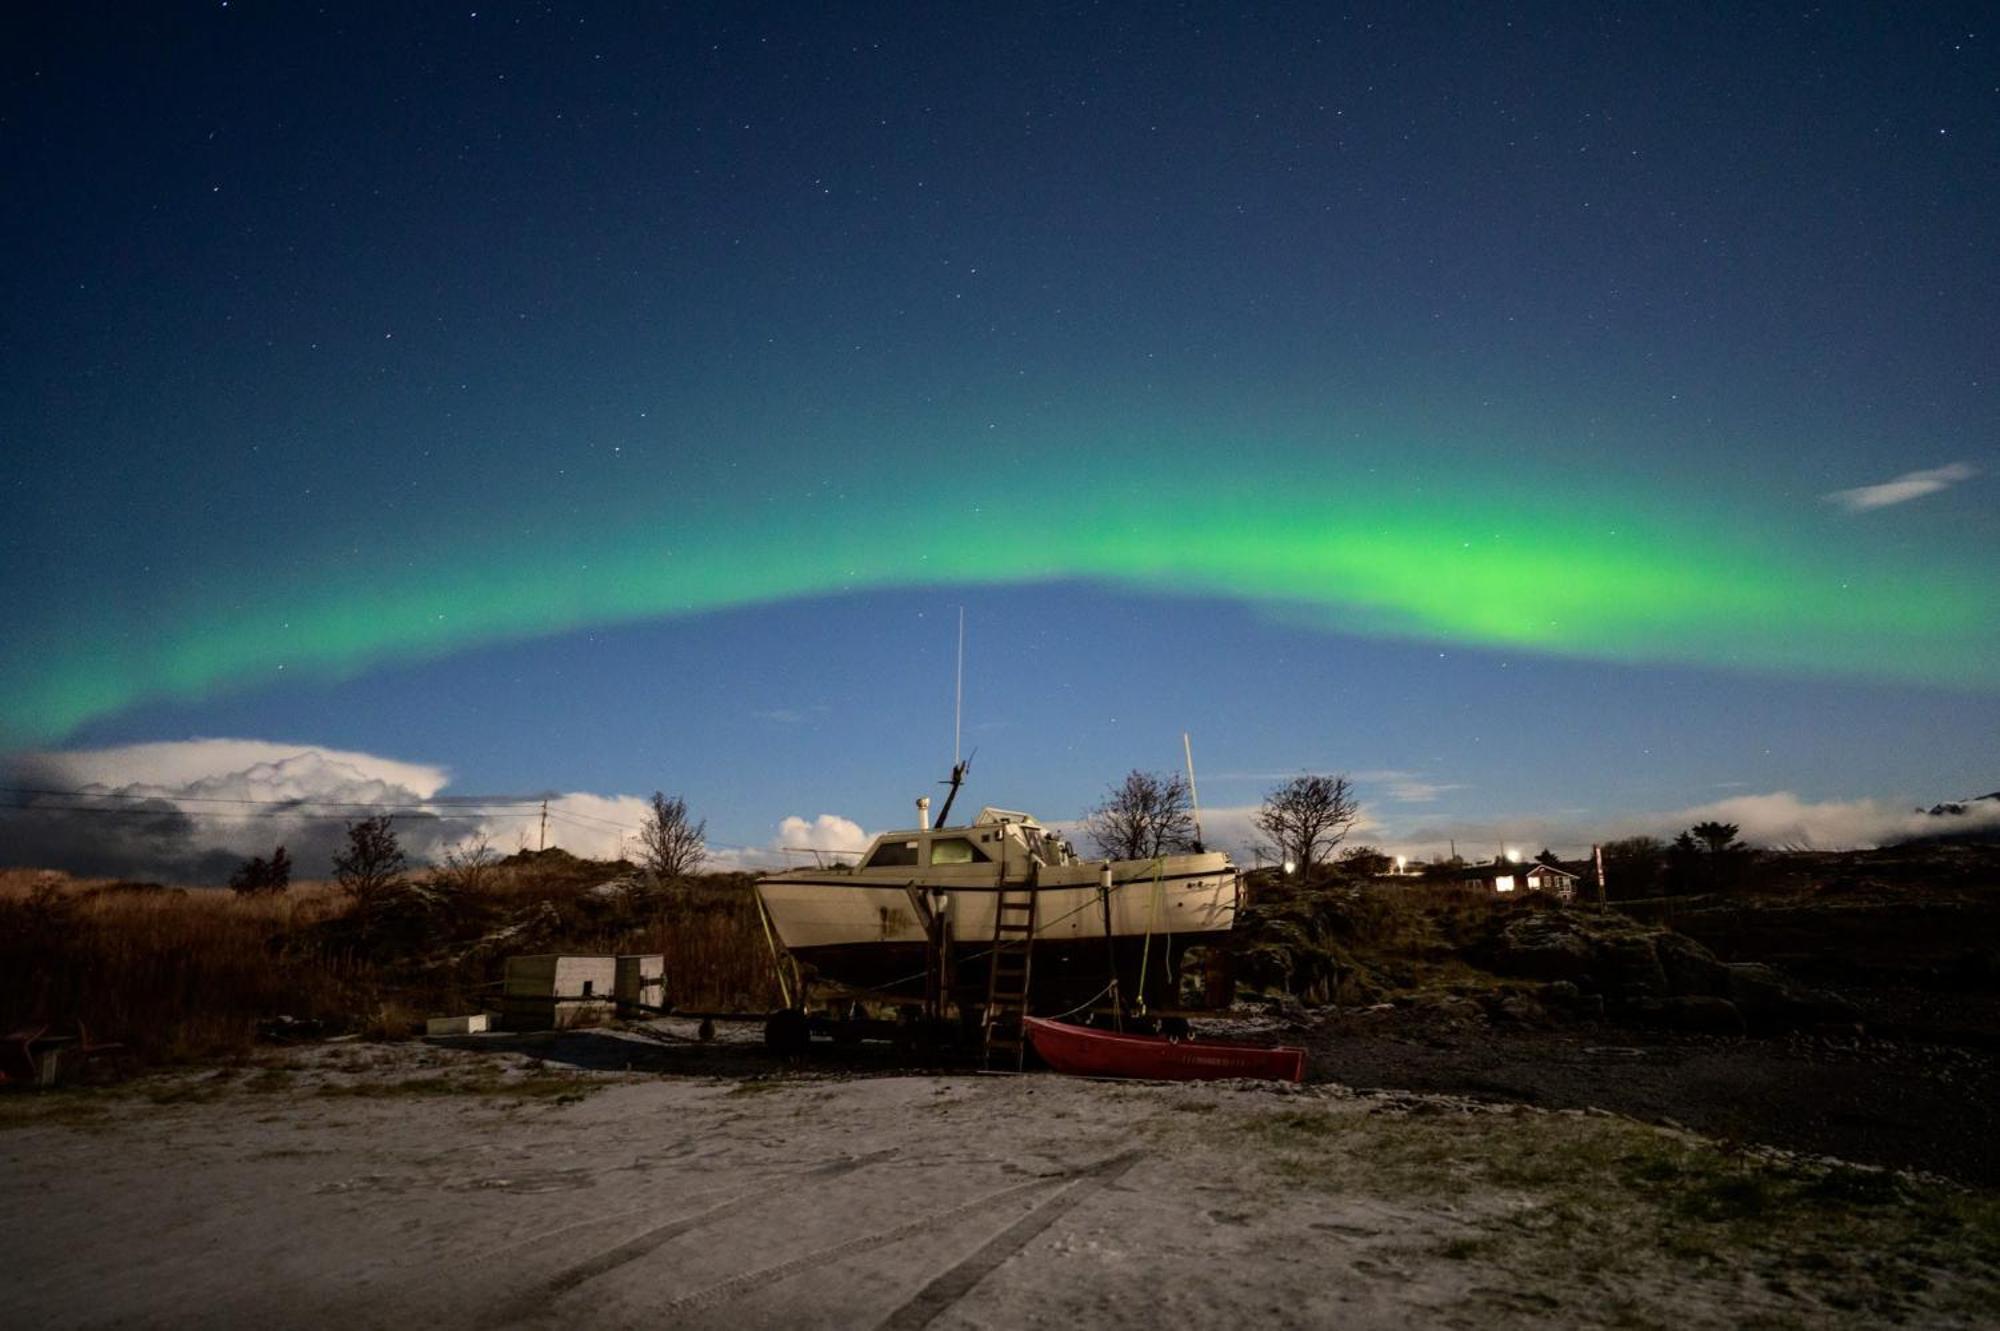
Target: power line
[443,801]
[574,814]
[602,825]
[306,806]
[296,815]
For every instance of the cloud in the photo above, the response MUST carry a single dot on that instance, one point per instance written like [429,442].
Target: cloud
[788,716]
[191,811]
[244,766]
[829,831]
[1408,787]
[826,835]
[592,827]
[1774,820]
[1783,819]
[1910,485]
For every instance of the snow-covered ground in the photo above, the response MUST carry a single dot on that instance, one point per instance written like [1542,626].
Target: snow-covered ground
[411,1185]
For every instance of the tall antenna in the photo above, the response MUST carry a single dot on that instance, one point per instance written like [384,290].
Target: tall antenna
[1194,796]
[959,766]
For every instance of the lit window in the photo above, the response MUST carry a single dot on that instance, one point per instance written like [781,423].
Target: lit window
[955,850]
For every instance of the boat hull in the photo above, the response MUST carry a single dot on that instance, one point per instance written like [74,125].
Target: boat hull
[1083,1052]
[874,932]
[1067,974]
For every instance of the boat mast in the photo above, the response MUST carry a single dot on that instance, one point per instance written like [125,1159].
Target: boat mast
[1194,797]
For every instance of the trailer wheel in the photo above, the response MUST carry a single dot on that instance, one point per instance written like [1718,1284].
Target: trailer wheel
[787,1032]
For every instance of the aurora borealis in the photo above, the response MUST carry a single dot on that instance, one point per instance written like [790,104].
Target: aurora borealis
[348,350]
[1666,581]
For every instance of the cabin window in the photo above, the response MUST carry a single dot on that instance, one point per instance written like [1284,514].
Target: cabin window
[1504,883]
[956,850]
[892,853]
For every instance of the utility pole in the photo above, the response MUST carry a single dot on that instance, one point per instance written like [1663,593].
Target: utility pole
[545,828]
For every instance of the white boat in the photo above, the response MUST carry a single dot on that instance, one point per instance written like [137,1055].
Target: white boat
[922,908]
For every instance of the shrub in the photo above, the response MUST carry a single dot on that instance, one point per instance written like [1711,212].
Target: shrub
[261,875]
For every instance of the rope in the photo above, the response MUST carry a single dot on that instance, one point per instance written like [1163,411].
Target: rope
[1084,1004]
[1152,917]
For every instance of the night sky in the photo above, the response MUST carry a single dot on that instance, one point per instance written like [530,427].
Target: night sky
[1558,417]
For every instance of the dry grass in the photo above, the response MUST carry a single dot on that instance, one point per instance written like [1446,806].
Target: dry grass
[182,974]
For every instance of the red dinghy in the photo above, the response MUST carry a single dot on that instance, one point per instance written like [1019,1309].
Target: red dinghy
[1083,1052]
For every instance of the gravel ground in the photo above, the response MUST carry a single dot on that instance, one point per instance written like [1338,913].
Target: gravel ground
[1898,1103]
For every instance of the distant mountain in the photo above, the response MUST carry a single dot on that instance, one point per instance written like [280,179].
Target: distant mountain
[1976,818]
[1951,808]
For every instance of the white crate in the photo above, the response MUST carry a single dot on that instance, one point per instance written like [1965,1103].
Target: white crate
[476,1024]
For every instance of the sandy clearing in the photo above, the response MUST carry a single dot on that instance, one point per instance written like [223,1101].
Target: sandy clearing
[815,1201]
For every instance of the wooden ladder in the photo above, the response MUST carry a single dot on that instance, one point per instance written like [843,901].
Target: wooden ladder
[1010,969]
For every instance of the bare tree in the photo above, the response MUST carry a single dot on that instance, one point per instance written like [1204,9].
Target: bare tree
[671,844]
[372,867]
[1308,816]
[468,867]
[1143,816]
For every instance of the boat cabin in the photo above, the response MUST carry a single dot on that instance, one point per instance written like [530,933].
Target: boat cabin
[1013,840]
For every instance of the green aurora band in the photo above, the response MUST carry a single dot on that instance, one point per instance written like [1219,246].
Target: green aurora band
[1567,567]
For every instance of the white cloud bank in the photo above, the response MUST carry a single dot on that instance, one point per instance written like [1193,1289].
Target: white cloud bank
[798,842]
[1778,819]
[191,811]
[828,832]
[246,768]
[1902,489]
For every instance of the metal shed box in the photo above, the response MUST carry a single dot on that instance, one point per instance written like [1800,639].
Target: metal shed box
[642,980]
[551,991]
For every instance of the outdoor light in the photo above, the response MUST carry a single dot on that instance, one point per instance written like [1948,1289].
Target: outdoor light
[1289,866]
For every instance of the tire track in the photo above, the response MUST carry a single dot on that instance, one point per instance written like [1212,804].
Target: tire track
[956,1282]
[1070,1188]
[537,1301]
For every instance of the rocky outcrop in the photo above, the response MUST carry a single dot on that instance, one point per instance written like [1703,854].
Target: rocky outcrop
[1546,945]
[1655,976]
[1769,1001]
[1691,968]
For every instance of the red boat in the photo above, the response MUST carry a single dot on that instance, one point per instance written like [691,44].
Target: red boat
[1083,1052]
